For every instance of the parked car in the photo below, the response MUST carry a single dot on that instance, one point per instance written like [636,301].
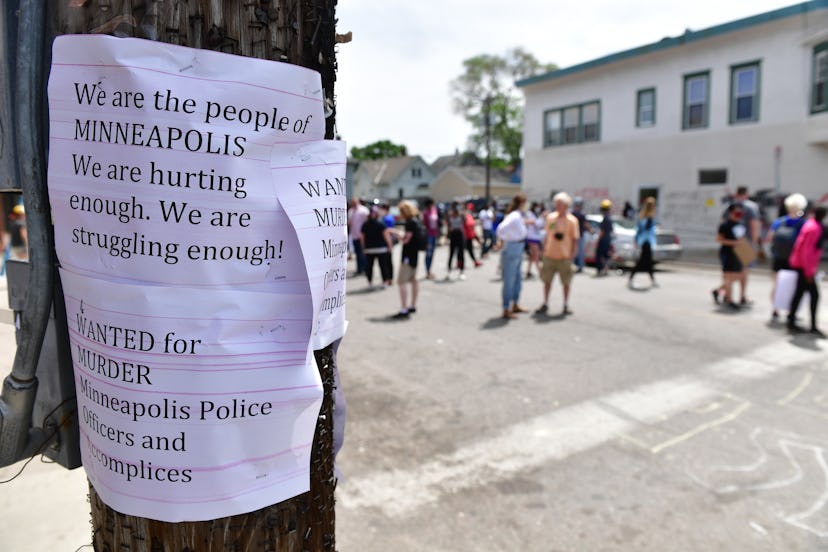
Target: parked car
[668,247]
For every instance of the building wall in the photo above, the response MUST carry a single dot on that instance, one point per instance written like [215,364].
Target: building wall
[407,185]
[449,185]
[666,157]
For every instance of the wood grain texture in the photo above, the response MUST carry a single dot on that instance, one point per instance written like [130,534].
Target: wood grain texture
[293,31]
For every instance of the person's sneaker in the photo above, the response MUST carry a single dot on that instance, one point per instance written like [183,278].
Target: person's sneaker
[412,310]
[731,305]
[715,294]
[566,311]
[542,309]
[462,276]
[816,332]
[477,264]
[518,309]
[402,315]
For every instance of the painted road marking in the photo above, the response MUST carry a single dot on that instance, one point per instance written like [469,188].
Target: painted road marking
[562,433]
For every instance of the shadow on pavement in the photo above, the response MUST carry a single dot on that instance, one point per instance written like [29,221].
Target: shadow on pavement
[495,323]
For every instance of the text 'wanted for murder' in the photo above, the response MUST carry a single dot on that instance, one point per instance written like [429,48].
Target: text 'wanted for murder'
[135,244]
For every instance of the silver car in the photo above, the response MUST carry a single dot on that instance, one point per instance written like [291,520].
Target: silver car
[668,247]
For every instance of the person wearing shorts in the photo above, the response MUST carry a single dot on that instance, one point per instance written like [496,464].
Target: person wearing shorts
[730,232]
[560,246]
[407,275]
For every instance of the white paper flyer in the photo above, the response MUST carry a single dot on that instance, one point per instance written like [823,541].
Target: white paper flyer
[193,303]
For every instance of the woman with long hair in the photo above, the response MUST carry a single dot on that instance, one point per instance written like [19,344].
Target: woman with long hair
[407,274]
[457,240]
[533,237]
[645,239]
[511,236]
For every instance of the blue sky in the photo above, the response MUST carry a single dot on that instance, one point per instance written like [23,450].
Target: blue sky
[393,80]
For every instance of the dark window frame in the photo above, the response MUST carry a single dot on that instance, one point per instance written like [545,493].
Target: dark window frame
[733,112]
[580,135]
[819,49]
[638,95]
[685,114]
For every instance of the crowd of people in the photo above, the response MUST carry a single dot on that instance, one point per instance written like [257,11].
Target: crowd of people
[796,240]
[552,243]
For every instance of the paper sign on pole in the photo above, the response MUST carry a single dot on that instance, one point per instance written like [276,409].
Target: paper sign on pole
[194,285]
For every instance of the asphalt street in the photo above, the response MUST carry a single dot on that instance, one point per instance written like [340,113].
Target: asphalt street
[649,420]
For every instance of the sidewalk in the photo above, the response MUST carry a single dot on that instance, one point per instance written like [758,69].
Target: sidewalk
[45,508]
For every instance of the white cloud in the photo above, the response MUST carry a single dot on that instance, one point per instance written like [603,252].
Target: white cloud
[393,80]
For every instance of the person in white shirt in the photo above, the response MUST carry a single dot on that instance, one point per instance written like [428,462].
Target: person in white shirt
[357,215]
[486,218]
[511,237]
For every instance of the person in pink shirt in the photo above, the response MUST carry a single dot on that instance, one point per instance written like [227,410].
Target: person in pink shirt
[805,257]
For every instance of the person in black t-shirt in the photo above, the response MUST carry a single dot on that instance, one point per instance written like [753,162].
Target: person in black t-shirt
[730,232]
[376,244]
[407,274]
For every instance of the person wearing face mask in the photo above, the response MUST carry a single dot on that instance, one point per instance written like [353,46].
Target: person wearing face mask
[533,238]
[730,232]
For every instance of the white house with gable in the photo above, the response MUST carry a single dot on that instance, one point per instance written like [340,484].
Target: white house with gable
[688,119]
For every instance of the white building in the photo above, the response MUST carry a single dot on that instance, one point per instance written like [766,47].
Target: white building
[688,119]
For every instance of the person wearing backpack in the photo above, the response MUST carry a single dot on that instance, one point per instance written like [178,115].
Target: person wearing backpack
[782,236]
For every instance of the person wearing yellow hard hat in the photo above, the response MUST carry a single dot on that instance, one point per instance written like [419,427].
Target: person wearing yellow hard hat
[605,235]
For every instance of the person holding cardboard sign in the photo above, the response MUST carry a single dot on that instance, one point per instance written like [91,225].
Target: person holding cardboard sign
[731,234]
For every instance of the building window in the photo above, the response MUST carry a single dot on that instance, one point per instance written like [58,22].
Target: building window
[712,176]
[696,100]
[645,108]
[552,128]
[572,125]
[819,94]
[744,93]
[571,122]
[590,118]
[416,172]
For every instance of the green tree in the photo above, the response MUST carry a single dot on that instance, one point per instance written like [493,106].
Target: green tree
[383,149]
[490,79]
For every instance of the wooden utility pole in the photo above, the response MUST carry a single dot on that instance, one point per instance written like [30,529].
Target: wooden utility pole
[293,31]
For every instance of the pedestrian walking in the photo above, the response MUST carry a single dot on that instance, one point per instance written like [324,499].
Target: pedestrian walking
[753,229]
[605,235]
[730,232]
[805,257]
[410,251]
[486,218]
[457,241]
[470,233]
[511,239]
[560,245]
[377,245]
[645,240]
[431,221]
[782,237]
[583,229]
